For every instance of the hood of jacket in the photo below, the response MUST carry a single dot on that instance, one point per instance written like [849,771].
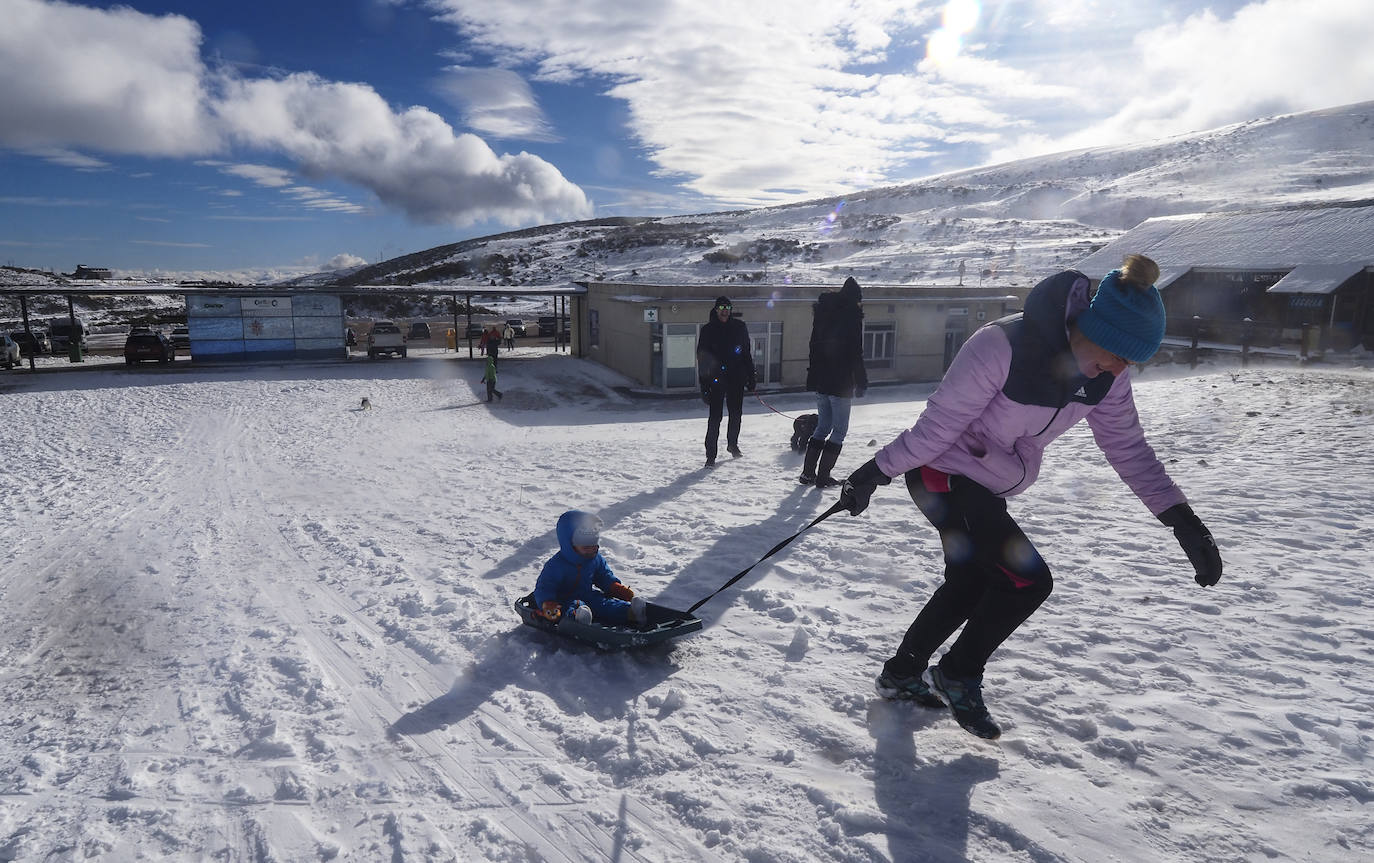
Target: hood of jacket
[1043,370]
[564,531]
[835,303]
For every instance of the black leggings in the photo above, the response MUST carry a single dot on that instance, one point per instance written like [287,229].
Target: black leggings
[994,577]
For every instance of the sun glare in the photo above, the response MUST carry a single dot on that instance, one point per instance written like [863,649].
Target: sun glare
[960,17]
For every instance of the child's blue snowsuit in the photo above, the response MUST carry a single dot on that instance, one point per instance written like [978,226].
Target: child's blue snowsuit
[568,576]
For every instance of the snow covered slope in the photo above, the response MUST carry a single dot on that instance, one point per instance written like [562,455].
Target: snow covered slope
[247,621]
[1012,222]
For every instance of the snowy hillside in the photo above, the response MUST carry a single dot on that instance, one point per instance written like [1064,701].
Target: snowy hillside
[248,621]
[1014,221]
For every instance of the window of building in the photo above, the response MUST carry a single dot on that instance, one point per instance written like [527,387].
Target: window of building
[766,341]
[880,339]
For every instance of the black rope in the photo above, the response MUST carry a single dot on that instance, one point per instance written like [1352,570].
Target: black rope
[839,506]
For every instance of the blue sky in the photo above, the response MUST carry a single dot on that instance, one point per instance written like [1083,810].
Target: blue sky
[277,138]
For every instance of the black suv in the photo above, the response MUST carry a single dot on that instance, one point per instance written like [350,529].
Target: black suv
[31,342]
[144,344]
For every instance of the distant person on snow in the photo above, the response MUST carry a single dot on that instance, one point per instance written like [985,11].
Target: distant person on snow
[836,375]
[489,376]
[1015,386]
[508,334]
[578,581]
[725,369]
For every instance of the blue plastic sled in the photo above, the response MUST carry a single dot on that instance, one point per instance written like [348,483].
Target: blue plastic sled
[664,624]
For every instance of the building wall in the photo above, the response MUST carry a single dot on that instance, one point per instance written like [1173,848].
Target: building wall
[928,324]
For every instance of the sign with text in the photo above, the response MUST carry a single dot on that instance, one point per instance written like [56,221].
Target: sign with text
[267,307]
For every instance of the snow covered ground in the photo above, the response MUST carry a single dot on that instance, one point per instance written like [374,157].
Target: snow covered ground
[246,620]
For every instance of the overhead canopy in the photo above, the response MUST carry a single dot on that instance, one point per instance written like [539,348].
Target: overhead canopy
[1315,278]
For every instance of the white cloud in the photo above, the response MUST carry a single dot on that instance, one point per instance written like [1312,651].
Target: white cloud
[263,175]
[344,261]
[1205,71]
[411,159]
[761,102]
[769,101]
[495,102]
[68,158]
[110,81]
[120,81]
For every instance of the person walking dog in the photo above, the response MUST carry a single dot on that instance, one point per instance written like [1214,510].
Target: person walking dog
[836,375]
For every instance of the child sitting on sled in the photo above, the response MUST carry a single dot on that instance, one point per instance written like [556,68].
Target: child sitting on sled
[577,580]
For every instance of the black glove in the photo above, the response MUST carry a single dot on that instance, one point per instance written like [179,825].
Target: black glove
[1197,542]
[705,390]
[859,392]
[855,491]
[752,383]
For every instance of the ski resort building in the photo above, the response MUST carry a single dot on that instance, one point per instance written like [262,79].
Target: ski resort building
[1262,278]
[649,332]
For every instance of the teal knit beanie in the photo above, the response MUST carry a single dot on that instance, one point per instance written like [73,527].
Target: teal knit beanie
[1124,319]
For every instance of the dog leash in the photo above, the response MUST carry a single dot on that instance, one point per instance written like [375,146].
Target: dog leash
[771,408]
[838,507]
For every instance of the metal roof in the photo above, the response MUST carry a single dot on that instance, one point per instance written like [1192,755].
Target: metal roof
[1315,278]
[1263,240]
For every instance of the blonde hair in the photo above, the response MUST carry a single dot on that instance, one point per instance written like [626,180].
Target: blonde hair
[1139,270]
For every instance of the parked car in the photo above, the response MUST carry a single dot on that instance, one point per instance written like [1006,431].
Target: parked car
[548,325]
[419,330]
[518,325]
[62,333]
[385,338]
[31,343]
[146,344]
[9,351]
[181,338]
[475,330]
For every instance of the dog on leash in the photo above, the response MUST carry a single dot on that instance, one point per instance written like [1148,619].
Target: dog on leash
[802,428]
[367,404]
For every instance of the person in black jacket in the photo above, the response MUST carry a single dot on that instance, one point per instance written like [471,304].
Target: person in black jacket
[836,375]
[725,368]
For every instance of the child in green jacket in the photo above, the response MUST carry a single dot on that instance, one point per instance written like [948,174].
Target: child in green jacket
[490,377]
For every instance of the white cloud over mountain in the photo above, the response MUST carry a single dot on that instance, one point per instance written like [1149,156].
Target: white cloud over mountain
[786,100]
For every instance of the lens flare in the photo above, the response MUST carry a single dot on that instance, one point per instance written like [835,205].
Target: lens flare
[960,18]
[831,218]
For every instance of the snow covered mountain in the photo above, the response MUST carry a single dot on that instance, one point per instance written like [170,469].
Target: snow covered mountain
[1008,223]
